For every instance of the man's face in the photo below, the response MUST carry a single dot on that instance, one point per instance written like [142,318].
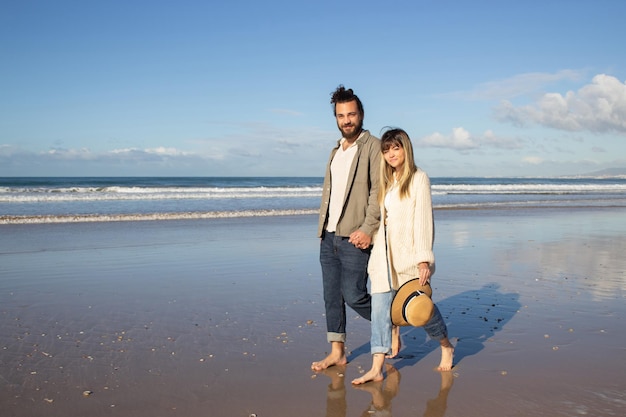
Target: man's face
[349,119]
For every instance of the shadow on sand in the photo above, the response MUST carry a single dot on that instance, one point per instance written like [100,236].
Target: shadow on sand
[472,317]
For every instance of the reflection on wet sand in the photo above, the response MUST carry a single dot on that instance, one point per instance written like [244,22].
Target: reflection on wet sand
[382,393]
[336,394]
[436,407]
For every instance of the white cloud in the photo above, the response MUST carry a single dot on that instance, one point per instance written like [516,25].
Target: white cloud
[596,107]
[532,160]
[521,84]
[8,150]
[461,139]
[490,139]
[267,141]
[160,151]
[82,154]
[245,149]
[458,139]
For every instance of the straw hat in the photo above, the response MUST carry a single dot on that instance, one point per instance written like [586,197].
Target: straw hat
[412,306]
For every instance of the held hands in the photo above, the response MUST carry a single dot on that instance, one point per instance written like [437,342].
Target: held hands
[360,239]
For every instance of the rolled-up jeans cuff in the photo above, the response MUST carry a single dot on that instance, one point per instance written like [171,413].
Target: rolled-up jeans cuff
[436,327]
[336,337]
[379,349]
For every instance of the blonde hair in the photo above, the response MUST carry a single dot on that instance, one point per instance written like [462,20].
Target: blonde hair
[396,137]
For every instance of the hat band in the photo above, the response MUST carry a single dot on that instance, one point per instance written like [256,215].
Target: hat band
[408,299]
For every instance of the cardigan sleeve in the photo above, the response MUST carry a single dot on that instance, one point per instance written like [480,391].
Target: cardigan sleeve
[424,226]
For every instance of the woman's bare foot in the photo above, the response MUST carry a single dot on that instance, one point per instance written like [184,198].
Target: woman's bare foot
[447,356]
[396,342]
[337,356]
[374,374]
[371,375]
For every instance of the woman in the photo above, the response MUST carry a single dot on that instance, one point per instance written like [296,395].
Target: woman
[405,239]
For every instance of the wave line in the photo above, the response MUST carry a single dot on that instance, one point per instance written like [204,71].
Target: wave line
[86,218]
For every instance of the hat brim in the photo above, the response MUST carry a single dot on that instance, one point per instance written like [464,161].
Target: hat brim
[412,305]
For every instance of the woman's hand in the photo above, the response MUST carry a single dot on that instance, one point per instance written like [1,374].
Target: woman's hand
[360,239]
[424,273]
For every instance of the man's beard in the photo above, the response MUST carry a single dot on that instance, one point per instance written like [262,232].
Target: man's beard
[354,133]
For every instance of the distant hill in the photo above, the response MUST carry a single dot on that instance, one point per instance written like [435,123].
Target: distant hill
[609,172]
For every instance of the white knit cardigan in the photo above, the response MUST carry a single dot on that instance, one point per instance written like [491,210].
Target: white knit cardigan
[410,234]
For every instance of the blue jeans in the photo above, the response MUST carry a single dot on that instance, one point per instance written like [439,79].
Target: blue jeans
[344,277]
[380,340]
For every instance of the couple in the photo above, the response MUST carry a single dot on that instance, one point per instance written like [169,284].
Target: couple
[359,188]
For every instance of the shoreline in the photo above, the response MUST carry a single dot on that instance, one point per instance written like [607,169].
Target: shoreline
[141,217]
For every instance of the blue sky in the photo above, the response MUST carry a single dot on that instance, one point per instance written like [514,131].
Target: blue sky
[242,88]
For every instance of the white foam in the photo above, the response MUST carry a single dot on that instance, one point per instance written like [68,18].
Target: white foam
[86,218]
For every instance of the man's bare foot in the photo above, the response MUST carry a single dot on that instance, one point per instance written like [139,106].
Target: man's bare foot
[333,358]
[371,375]
[447,356]
[396,342]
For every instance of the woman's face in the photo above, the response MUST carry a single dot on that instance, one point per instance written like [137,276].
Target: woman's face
[394,156]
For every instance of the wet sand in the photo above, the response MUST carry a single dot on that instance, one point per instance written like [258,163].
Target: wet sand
[223,318]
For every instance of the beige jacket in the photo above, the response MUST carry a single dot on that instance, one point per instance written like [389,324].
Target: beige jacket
[360,208]
[410,236]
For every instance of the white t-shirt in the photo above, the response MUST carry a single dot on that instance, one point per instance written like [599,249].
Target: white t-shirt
[339,170]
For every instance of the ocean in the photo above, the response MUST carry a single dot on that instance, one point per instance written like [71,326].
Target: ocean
[76,199]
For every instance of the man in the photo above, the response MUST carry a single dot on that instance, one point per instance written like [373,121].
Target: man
[349,215]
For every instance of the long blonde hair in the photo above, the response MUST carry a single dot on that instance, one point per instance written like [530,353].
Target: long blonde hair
[396,137]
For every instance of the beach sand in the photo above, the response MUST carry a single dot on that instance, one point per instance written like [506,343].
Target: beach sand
[223,318]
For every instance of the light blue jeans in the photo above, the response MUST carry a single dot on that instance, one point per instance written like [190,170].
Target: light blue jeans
[380,341]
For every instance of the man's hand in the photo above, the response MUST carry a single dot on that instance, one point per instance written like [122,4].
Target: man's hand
[360,240]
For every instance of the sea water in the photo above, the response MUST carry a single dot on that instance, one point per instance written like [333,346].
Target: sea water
[75,199]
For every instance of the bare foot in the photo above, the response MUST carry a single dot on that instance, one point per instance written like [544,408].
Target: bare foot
[396,342]
[333,358]
[371,375]
[375,388]
[447,356]
[375,373]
